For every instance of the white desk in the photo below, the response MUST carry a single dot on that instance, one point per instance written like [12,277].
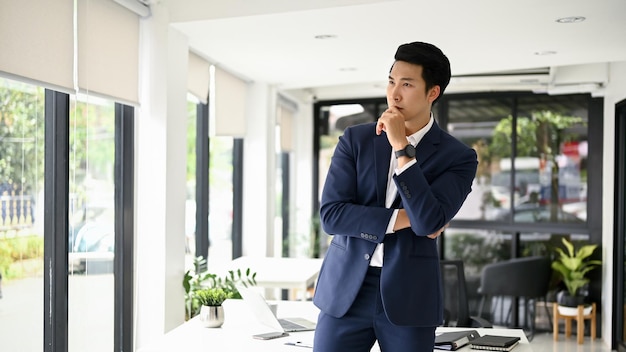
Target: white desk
[285,273]
[240,325]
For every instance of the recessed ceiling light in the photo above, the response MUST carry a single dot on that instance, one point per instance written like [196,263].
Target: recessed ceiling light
[545,52]
[571,19]
[347,69]
[325,36]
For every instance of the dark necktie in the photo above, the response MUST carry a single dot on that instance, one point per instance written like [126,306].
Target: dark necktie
[397,203]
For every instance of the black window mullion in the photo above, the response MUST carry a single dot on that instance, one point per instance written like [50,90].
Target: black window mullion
[124,227]
[202,182]
[56,205]
[285,205]
[237,236]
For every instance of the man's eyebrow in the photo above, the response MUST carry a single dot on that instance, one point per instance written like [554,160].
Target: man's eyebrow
[403,78]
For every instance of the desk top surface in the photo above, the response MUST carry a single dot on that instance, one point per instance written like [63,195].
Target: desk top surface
[240,325]
[276,270]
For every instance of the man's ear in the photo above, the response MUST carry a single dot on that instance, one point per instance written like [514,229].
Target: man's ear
[433,93]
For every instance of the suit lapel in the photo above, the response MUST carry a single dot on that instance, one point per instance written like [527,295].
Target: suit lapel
[429,144]
[382,155]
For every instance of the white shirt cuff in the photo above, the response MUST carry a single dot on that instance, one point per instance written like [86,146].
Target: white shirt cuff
[406,166]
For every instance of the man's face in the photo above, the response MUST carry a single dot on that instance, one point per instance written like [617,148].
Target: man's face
[406,91]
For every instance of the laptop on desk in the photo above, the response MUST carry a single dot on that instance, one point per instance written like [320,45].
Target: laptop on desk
[265,316]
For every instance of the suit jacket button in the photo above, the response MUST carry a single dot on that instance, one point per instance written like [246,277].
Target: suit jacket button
[374,237]
[366,256]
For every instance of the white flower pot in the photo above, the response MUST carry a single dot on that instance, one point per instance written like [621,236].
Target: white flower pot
[573,311]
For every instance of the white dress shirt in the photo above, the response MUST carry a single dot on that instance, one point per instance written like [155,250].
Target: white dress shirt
[415,138]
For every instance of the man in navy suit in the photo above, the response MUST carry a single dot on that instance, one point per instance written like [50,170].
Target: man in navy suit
[392,188]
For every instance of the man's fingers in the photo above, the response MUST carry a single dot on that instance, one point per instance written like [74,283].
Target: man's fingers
[380,127]
[438,233]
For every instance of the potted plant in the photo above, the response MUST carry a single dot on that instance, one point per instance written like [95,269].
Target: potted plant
[572,266]
[211,310]
[197,280]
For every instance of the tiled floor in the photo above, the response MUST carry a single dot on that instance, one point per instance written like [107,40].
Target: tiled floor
[544,342]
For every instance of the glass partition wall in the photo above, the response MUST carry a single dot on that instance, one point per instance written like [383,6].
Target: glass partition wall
[532,186]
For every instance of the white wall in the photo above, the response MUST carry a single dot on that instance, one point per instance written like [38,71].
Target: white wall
[615,92]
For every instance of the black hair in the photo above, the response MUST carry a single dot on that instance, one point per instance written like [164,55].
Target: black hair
[435,64]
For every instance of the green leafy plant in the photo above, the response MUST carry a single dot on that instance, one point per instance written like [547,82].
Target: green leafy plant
[212,296]
[573,265]
[198,279]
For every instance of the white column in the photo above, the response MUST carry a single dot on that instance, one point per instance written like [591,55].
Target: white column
[302,179]
[259,178]
[160,178]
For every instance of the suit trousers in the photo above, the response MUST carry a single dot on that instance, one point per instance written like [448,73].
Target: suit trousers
[365,322]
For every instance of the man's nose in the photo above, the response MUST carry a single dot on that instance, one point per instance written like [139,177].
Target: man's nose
[395,94]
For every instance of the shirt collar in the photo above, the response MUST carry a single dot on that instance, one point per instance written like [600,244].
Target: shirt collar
[416,137]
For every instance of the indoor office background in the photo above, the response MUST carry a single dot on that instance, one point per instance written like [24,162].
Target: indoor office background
[119,152]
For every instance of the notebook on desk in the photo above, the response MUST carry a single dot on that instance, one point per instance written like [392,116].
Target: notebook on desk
[265,316]
[453,340]
[495,343]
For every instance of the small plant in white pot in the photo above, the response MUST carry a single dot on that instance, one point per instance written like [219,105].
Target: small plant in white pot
[572,266]
[211,311]
[196,280]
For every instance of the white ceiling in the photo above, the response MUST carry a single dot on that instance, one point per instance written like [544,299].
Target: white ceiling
[273,41]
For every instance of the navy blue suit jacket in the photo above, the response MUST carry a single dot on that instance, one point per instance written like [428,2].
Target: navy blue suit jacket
[353,211]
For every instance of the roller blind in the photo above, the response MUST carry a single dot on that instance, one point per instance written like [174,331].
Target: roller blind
[230,104]
[108,50]
[36,41]
[285,118]
[198,77]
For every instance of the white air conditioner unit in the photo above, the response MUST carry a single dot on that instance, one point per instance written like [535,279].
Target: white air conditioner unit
[500,81]
[140,7]
[576,79]
[595,89]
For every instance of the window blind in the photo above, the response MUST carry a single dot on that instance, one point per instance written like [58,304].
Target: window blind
[230,104]
[36,41]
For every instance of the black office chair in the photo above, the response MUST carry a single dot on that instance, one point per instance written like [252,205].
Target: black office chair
[456,306]
[527,278]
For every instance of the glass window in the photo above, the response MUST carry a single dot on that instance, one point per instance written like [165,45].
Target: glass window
[220,195]
[21,216]
[473,121]
[190,199]
[334,119]
[551,182]
[535,170]
[464,244]
[92,221]
[476,248]
[220,201]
